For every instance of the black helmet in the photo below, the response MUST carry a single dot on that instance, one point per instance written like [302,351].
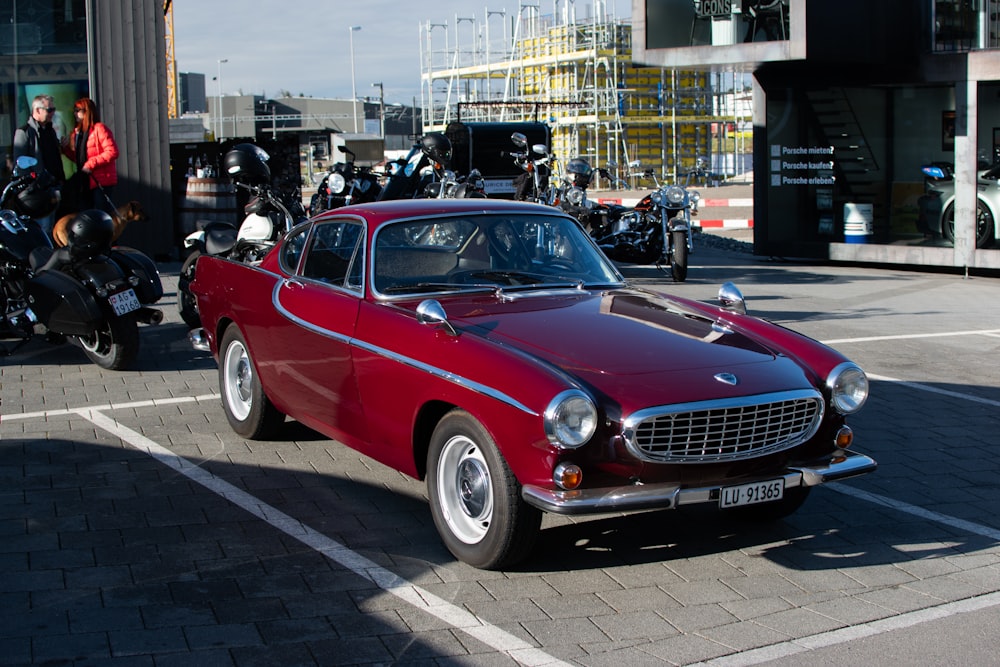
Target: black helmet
[581,171]
[39,198]
[90,233]
[437,147]
[248,162]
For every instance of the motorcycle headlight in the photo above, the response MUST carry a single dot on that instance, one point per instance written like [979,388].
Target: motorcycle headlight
[675,194]
[570,419]
[848,387]
[656,197]
[695,196]
[336,183]
[575,196]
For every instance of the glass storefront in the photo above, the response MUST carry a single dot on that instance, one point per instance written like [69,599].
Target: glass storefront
[43,49]
[873,165]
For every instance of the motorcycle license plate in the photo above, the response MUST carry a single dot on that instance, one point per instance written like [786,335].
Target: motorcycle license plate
[751,494]
[124,302]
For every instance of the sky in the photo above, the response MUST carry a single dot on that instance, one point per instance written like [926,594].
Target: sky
[304,46]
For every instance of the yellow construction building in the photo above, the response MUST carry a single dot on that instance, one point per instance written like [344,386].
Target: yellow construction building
[576,75]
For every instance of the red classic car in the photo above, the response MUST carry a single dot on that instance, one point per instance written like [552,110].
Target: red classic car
[490,348]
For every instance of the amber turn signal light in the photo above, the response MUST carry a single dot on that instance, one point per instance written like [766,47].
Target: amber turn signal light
[845,436]
[568,476]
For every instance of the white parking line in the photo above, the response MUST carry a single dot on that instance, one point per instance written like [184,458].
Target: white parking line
[943,334]
[859,631]
[416,596]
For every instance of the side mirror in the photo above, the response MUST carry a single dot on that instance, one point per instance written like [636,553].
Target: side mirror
[431,312]
[731,298]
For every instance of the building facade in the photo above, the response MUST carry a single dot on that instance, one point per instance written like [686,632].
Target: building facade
[851,100]
[112,51]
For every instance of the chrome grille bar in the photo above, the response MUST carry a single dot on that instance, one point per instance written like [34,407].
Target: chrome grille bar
[724,430]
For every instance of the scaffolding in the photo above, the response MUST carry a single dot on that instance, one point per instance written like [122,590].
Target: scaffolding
[576,75]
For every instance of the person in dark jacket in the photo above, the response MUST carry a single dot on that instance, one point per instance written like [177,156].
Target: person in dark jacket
[37,138]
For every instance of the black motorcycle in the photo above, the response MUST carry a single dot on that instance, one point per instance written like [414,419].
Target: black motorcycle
[88,292]
[345,184]
[269,214]
[656,231]
[421,172]
[536,165]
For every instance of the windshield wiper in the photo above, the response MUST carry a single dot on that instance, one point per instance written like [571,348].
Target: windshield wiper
[438,287]
[529,279]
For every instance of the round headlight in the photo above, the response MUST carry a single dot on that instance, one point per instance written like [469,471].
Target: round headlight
[848,387]
[336,183]
[575,196]
[656,197]
[675,194]
[570,419]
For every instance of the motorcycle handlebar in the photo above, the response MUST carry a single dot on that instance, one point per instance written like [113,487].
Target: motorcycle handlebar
[14,185]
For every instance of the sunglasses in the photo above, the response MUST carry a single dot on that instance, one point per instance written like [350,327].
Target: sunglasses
[49,109]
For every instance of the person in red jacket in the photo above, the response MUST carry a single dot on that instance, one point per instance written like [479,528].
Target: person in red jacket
[92,148]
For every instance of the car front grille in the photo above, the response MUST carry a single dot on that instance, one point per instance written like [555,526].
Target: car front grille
[724,430]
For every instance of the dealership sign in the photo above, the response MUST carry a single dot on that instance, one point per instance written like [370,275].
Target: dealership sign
[709,8]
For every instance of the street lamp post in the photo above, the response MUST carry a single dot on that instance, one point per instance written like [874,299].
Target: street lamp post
[354,90]
[218,107]
[381,108]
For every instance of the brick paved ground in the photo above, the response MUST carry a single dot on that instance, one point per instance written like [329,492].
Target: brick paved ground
[138,529]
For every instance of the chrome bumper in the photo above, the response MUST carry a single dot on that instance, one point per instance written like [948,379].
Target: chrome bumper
[199,339]
[670,496]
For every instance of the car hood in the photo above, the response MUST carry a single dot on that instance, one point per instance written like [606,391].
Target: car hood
[627,332]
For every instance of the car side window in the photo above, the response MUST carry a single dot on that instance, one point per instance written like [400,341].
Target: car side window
[330,257]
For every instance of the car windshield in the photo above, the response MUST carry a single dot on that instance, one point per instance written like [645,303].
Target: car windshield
[483,251]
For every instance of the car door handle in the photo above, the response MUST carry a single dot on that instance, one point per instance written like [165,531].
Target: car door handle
[292,282]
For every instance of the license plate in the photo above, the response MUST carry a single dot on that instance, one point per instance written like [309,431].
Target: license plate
[124,302]
[751,494]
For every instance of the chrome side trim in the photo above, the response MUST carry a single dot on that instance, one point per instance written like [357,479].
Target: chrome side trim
[671,496]
[441,373]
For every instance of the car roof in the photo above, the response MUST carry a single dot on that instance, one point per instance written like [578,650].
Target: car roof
[377,213]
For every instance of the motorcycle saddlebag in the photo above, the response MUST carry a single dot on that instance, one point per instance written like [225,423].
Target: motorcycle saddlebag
[62,304]
[134,263]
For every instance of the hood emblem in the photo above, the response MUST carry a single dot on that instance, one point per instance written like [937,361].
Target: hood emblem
[727,378]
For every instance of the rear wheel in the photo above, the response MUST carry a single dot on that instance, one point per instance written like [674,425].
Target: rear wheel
[186,303]
[679,256]
[114,345]
[248,409]
[475,498]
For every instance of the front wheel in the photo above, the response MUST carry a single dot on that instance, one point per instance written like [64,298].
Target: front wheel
[187,305]
[248,409]
[984,225]
[679,256]
[114,345]
[475,498]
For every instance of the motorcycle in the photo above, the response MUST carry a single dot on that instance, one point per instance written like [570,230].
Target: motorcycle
[268,216]
[421,172]
[657,230]
[87,292]
[533,184]
[345,184]
[452,186]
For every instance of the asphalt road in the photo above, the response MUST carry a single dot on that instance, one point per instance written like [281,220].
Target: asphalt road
[138,529]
